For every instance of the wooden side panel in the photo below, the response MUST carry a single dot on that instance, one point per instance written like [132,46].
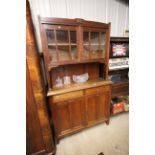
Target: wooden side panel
[34,139]
[33,65]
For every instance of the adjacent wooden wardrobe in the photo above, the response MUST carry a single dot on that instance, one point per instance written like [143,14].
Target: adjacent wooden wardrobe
[39,136]
[76,47]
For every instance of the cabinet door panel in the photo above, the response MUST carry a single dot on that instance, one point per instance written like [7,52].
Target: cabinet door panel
[63,116]
[94,43]
[91,105]
[77,111]
[101,99]
[61,43]
[98,107]
[70,116]
[103,105]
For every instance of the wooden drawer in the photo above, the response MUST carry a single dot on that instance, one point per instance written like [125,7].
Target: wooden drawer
[97,90]
[67,96]
[104,89]
[91,91]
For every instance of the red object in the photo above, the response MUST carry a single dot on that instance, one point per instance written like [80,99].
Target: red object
[119,50]
[118,107]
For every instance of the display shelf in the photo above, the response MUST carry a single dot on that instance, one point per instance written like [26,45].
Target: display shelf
[63,44]
[77,86]
[56,64]
[95,44]
[119,66]
[119,69]
[121,83]
[119,39]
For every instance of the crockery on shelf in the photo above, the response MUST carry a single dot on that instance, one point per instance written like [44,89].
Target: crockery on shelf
[80,78]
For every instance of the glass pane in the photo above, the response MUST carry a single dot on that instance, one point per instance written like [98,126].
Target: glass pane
[86,51]
[74,52]
[50,36]
[102,38]
[52,53]
[86,44]
[62,37]
[64,53]
[86,38]
[102,47]
[94,52]
[73,37]
[95,38]
[102,51]
[94,48]
[97,45]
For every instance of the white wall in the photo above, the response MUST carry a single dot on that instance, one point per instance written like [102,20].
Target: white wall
[114,11]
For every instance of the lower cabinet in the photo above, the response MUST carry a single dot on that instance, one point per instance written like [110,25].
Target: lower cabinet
[98,108]
[70,116]
[75,111]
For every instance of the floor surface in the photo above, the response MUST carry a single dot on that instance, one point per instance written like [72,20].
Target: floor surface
[111,140]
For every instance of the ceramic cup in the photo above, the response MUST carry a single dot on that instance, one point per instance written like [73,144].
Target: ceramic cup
[67,80]
[59,82]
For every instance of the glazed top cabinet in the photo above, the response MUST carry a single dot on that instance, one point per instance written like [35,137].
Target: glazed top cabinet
[75,47]
[73,41]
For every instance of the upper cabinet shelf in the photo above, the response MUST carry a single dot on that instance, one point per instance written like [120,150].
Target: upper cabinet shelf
[73,41]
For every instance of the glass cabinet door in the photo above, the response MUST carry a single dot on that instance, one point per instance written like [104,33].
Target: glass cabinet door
[94,44]
[62,45]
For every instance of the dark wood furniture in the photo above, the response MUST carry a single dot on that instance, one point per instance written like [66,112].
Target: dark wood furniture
[39,138]
[101,153]
[120,88]
[74,47]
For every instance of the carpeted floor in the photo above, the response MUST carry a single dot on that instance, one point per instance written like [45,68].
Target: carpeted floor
[111,140]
